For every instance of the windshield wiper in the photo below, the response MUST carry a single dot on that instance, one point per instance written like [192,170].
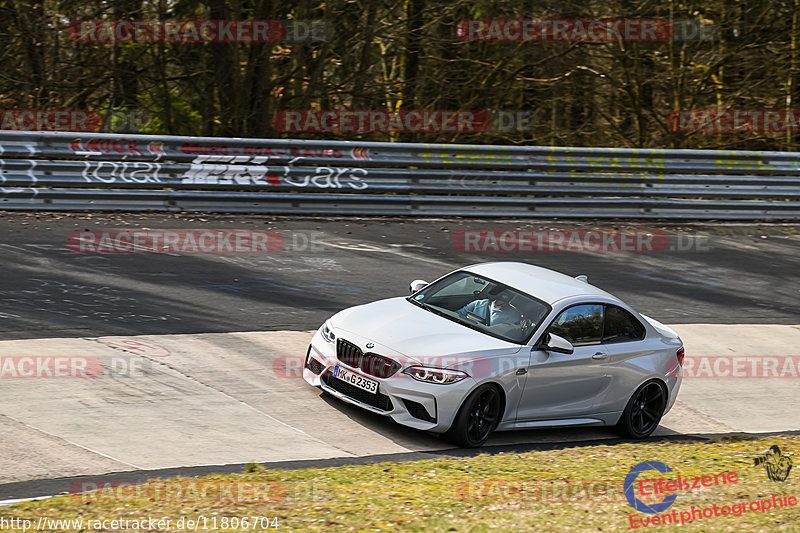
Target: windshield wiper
[429,307]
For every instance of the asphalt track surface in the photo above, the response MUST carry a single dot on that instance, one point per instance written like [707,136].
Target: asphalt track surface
[734,273]
[169,404]
[731,274]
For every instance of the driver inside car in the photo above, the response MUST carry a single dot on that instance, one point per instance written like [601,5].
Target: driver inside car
[493,311]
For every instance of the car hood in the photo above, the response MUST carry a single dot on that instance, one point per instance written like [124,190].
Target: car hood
[405,331]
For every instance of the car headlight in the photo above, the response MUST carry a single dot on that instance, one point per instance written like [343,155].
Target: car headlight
[440,376]
[326,333]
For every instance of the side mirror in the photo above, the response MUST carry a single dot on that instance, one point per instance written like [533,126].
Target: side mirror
[417,284]
[557,344]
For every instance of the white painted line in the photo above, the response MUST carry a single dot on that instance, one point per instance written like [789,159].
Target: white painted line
[59,437]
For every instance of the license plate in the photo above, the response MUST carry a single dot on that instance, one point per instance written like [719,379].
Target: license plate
[355,380]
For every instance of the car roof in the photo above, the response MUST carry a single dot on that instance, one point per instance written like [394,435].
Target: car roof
[547,285]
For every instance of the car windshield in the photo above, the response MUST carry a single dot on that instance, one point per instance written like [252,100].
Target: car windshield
[484,305]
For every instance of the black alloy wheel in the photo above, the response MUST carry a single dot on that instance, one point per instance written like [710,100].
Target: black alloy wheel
[644,410]
[477,418]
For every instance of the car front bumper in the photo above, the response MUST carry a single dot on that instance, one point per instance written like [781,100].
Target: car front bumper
[407,401]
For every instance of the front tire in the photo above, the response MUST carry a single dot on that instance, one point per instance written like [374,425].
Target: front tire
[644,411]
[477,417]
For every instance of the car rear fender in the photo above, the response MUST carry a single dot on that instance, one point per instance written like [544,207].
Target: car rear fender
[661,328]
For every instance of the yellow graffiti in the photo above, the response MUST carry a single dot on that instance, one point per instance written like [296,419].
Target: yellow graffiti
[748,164]
[469,157]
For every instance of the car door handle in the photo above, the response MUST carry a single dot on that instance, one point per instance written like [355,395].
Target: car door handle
[522,371]
[600,355]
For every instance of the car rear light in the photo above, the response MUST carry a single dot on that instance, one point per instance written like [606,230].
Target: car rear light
[680,355]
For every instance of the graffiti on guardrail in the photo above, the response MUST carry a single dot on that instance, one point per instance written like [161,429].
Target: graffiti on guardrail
[730,161]
[121,146]
[331,177]
[269,151]
[206,169]
[458,155]
[136,147]
[258,174]
[113,171]
[606,161]
[530,181]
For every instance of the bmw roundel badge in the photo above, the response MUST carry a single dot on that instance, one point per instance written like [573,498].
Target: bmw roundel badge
[370,345]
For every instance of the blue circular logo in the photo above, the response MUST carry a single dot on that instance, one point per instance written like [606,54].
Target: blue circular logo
[630,481]
[370,345]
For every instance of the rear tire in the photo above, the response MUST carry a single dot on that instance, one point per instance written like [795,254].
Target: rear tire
[644,411]
[477,417]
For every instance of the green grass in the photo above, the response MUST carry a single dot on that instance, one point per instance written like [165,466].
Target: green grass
[483,493]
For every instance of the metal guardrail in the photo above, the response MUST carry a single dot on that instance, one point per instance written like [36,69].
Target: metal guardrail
[59,171]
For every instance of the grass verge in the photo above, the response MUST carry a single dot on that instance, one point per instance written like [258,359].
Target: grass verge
[570,489]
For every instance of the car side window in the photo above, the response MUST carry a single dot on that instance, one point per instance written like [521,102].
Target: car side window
[580,324]
[621,326]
